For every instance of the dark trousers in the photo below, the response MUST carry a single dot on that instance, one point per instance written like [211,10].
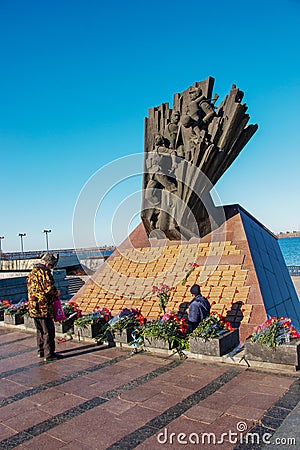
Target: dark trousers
[45,336]
[191,326]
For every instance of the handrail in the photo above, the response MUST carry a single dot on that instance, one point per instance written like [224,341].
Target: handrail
[36,254]
[294,270]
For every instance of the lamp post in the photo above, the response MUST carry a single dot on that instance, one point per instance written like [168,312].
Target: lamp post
[21,237]
[47,241]
[1,237]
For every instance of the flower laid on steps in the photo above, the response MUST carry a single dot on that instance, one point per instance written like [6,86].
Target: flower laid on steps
[192,267]
[274,331]
[163,294]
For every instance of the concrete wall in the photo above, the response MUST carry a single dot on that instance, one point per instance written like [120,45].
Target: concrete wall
[15,289]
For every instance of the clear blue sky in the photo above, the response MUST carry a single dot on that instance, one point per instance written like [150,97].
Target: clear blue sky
[76,81]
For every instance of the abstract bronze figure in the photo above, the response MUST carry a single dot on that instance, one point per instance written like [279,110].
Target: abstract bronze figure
[187,150]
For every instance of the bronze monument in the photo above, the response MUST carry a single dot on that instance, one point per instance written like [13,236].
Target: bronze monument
[187,149]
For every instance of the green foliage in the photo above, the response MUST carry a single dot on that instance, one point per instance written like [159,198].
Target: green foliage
[124,322]
[102,315]
[274,331]
[69,310]
[87,319]
[127,318]
[170,329]
[212,327]
[19,309]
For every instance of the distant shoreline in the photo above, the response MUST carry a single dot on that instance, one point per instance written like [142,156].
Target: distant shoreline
[288,235]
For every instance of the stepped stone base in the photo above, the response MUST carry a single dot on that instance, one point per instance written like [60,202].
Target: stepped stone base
[215,347]
[287,354]
[241,271]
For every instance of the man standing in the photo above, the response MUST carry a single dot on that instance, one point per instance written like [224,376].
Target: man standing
[199,308]
[41,294]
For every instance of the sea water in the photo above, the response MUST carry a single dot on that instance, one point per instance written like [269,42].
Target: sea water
[290,248]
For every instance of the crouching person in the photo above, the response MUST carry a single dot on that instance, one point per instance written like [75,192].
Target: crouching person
[199,308]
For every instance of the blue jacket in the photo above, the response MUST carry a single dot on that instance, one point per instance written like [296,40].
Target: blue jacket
[199,309]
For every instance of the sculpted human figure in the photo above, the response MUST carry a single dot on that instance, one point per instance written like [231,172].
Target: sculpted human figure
[173,134]
[199,111]
[161,176]
[161,166]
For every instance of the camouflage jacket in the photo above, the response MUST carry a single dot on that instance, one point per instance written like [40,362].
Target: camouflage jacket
[41,292]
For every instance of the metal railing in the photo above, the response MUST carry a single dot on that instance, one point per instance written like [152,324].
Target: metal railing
[294,270]
[82,253]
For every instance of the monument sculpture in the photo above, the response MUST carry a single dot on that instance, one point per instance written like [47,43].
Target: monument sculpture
[194,133]
[236,259]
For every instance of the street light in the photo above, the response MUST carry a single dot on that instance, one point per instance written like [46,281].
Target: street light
[21,237]
[1,237]
[47,242]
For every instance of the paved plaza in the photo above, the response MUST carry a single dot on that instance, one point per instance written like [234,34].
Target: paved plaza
[106,398]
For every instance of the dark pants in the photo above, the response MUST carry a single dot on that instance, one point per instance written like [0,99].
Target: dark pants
[45,336]
[191,326]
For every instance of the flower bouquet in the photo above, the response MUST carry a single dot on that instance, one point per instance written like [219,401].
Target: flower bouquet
[4,304]
[214,336]
[212,327]
[168,332]
[274,331]
[14,314]
[71,309]
[125,323]
[276,341]
[93,325]
[192,267]
[163,294]
[72,312]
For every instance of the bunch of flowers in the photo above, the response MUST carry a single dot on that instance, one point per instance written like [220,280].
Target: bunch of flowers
[192,267]
[127,318]
[4,304]
[212,327]
[19,309]
[71,309]
[274,331]
[169,328]
[163,294]
[102,315]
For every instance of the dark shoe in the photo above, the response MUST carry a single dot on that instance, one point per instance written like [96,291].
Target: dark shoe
[41,354]
[54,357]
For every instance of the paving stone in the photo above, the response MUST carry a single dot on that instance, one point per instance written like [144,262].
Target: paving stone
[271,422]
[186,387]
[245,412]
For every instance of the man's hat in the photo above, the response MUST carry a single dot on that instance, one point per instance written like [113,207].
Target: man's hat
[50,258]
